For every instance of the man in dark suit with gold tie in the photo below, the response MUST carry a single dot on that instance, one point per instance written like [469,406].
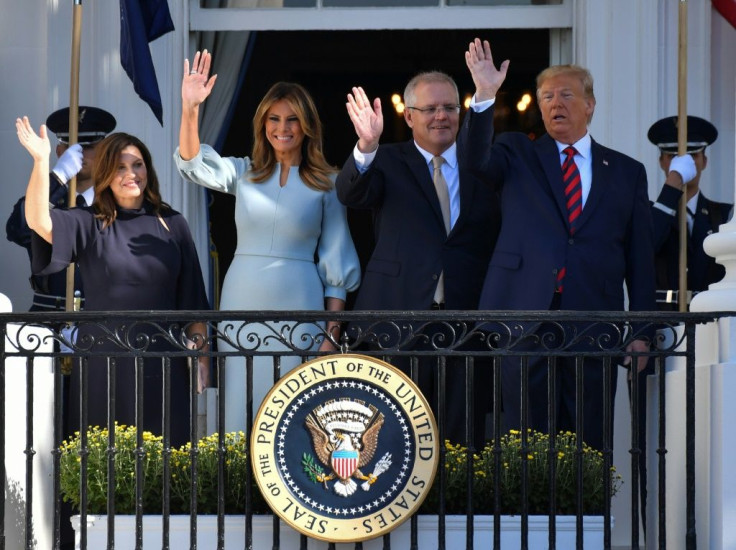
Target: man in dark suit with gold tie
[435,224]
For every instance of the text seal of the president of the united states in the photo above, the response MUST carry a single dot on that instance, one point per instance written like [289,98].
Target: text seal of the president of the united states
[344,448]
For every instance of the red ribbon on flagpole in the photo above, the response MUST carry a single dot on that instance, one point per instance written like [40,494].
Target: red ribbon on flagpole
[727,8]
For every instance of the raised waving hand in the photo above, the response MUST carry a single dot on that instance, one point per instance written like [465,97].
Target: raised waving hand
[486,77]
[196,84]
[37,192]
[37,145]
[367,119]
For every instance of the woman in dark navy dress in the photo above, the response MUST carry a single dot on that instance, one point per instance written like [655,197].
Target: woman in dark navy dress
[134,253]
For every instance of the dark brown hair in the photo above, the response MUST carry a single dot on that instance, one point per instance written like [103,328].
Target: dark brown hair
[105,170]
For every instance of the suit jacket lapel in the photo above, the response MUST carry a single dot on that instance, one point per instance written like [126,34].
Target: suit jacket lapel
[697,259]
[420,170]
[549,159]
[701,220]
[467,183]
[598,185]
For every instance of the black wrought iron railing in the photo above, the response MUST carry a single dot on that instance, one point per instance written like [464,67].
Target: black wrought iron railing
[434,348]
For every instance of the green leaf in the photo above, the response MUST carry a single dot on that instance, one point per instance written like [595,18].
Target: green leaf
[312,470]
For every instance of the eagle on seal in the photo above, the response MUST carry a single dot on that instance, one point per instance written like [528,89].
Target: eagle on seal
[345,437]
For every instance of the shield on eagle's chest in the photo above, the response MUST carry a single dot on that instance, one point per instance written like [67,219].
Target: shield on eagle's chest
[344,462]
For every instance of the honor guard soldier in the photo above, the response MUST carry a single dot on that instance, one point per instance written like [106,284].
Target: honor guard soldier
[49,291]
[704,215]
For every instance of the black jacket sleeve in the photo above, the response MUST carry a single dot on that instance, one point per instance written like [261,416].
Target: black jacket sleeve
[17,229]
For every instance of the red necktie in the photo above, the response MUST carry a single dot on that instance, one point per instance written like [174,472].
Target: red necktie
[573,198]
[573,190]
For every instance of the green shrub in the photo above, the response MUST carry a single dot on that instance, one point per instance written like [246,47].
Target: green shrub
[536,457]
[236,465]
[125,483]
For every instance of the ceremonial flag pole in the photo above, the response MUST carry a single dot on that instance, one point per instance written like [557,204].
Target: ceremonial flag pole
[73,129]
[682,149]
[690,532]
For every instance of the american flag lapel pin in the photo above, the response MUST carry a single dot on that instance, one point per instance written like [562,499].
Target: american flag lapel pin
[605,162]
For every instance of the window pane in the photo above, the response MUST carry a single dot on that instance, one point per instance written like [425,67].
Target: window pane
[367,3]
[259,4]
[501,2]
[378,3]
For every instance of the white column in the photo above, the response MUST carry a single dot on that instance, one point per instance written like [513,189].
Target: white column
[706,390]
[721,296]
[617,42]
[15,488]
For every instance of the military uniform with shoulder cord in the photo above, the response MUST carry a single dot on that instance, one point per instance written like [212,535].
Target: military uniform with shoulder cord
[704,218]
[704,215]
[49,291]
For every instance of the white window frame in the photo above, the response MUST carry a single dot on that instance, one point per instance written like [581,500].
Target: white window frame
[557,16]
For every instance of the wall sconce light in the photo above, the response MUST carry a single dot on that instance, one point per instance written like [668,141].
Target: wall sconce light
[398,104]
[524,102]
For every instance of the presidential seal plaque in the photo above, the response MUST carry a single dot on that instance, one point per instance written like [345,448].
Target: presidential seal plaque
[344,448]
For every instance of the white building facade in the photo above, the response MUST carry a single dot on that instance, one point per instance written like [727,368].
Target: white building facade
[630,46]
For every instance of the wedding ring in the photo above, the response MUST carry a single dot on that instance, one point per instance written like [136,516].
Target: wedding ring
[192,72]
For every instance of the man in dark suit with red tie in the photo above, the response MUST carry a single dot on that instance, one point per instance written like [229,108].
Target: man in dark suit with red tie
[435,224]
[575,227]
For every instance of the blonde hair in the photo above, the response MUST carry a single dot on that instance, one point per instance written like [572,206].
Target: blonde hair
[575,71]
[314,169]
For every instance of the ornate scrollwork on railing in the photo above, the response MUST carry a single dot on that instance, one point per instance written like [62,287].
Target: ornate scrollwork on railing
[28,339]
[510,337]
[269,336]
[127,336]
[298,333]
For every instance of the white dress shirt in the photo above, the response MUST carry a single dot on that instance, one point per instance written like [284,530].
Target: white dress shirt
[583,158]
[450,171]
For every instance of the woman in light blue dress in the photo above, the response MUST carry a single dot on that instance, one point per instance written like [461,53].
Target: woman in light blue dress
[286,214]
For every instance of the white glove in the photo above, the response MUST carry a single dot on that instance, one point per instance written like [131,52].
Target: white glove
[69,332]
[685,166]
[69,163]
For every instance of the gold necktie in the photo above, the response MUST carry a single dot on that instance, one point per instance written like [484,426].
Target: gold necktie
[440,186]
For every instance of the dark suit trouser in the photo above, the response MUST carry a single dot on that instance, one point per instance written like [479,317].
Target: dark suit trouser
[456,395]
[536,399]
[458,390]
